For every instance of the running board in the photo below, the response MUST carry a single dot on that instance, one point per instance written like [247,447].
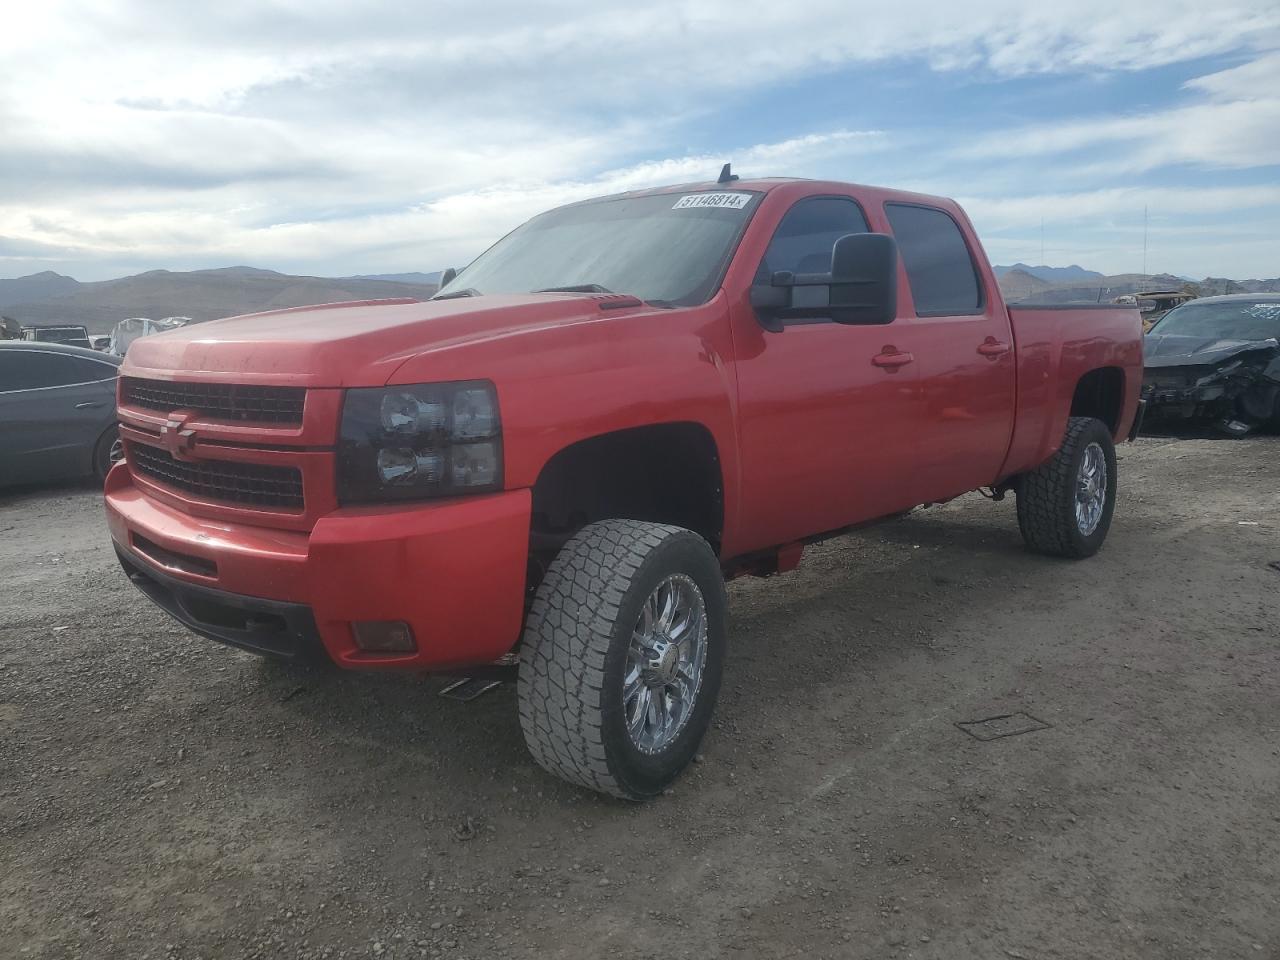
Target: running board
[469,688]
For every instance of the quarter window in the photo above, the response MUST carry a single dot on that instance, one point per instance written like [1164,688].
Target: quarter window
[939,268]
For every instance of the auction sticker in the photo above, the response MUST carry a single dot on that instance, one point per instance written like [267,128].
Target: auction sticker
[728,201]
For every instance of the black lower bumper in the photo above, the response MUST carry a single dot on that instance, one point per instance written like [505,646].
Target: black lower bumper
[267,627]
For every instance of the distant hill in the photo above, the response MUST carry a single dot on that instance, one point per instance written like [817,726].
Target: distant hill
[1051,274]
[199,294]
[1019,285]
[38,286]
[1100,290]
[1216,286]
[400,277]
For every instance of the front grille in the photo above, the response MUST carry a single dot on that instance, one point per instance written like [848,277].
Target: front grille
[225,401]
[254,484]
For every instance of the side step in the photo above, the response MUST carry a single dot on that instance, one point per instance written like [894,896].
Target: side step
[469,688]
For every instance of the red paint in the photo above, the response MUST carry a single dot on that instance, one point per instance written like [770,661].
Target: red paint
[819,427]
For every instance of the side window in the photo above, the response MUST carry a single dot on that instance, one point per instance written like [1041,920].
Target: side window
[15,371]
[941,273]
[803,241]
[30,369]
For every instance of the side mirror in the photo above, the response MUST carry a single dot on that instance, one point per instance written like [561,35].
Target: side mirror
[864,279]
[862,287]
[446,277]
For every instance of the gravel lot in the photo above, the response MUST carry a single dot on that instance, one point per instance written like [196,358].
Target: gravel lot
[163,797]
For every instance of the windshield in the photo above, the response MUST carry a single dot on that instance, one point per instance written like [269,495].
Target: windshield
[671,248]
[1238,320]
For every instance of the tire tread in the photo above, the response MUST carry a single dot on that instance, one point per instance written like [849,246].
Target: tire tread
[566,640]
[1044,496]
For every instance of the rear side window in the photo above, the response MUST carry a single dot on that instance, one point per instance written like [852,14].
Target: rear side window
[942,275]
[32,369]
[803,241]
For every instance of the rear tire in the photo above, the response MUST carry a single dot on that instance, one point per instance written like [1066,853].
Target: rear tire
[1064,506]
[599,707]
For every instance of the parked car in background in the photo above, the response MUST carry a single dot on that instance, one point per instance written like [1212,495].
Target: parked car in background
[1155,304]
[128,330]
[57,412]
[1218,359]
[73,335]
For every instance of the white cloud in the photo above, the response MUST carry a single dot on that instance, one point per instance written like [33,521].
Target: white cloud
[327,135]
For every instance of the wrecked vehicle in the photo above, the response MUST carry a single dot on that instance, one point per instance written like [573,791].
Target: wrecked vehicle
[130,329]
[551,467]
[1216,359]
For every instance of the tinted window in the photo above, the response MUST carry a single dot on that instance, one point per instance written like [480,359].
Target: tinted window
[941,272]
[803,241]
[28,369]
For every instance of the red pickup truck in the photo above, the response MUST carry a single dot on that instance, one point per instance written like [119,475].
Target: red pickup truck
[553,465]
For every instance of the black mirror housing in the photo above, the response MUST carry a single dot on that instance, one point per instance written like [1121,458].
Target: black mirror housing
[864,279]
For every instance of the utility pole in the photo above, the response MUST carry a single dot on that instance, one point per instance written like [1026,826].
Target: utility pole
[1042,263]
[1144,244]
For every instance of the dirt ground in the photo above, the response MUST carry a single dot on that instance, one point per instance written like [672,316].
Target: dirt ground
[164,797]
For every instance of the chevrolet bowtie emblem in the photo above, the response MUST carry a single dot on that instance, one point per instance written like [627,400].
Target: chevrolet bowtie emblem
[176,437]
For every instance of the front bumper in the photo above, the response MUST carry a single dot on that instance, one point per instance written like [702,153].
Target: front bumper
[453,570]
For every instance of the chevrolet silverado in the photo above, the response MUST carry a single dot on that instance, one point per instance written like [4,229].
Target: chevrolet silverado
[552,467]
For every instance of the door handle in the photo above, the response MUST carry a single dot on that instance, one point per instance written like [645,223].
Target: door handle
[91,405]
[991,347]
[890,359]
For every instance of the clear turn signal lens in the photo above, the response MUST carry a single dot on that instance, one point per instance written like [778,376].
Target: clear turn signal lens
[475,464]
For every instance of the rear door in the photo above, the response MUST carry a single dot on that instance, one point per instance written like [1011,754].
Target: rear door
[53,408]
[963,345]
[828,413]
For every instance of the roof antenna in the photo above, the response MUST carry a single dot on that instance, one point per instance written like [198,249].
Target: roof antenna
[726,176]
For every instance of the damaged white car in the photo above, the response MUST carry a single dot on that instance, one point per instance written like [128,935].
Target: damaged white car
[1216,359]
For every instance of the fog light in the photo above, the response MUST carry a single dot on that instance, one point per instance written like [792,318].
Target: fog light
[384,636]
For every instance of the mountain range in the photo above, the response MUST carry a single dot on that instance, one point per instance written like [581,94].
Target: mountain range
[1050,274]
[1020,286]
[207,294]
[200,294]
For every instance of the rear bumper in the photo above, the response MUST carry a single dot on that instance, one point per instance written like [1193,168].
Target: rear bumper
[453,570]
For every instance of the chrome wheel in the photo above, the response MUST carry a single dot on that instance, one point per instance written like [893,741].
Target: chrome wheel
[116,453]
[665,663]
[1091,489]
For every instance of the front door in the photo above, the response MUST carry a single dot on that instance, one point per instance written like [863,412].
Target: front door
[828,413]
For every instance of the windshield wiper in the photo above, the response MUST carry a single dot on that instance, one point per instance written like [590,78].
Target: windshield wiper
[456,294]
[575,288]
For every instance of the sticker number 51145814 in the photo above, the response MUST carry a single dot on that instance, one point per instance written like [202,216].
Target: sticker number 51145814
[731,201]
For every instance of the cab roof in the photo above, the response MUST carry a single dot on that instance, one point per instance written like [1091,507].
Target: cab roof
[767,185]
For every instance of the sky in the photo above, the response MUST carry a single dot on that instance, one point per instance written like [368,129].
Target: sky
[333,139]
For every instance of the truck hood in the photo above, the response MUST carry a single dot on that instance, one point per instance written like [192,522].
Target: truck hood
[353,344]
[1174,350]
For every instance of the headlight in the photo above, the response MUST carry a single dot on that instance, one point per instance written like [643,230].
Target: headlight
[424,440]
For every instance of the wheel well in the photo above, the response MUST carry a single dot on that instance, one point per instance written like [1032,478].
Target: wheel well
[1100,394]
[665,473]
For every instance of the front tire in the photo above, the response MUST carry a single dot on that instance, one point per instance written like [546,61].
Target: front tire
[622,655]
[1065,505]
